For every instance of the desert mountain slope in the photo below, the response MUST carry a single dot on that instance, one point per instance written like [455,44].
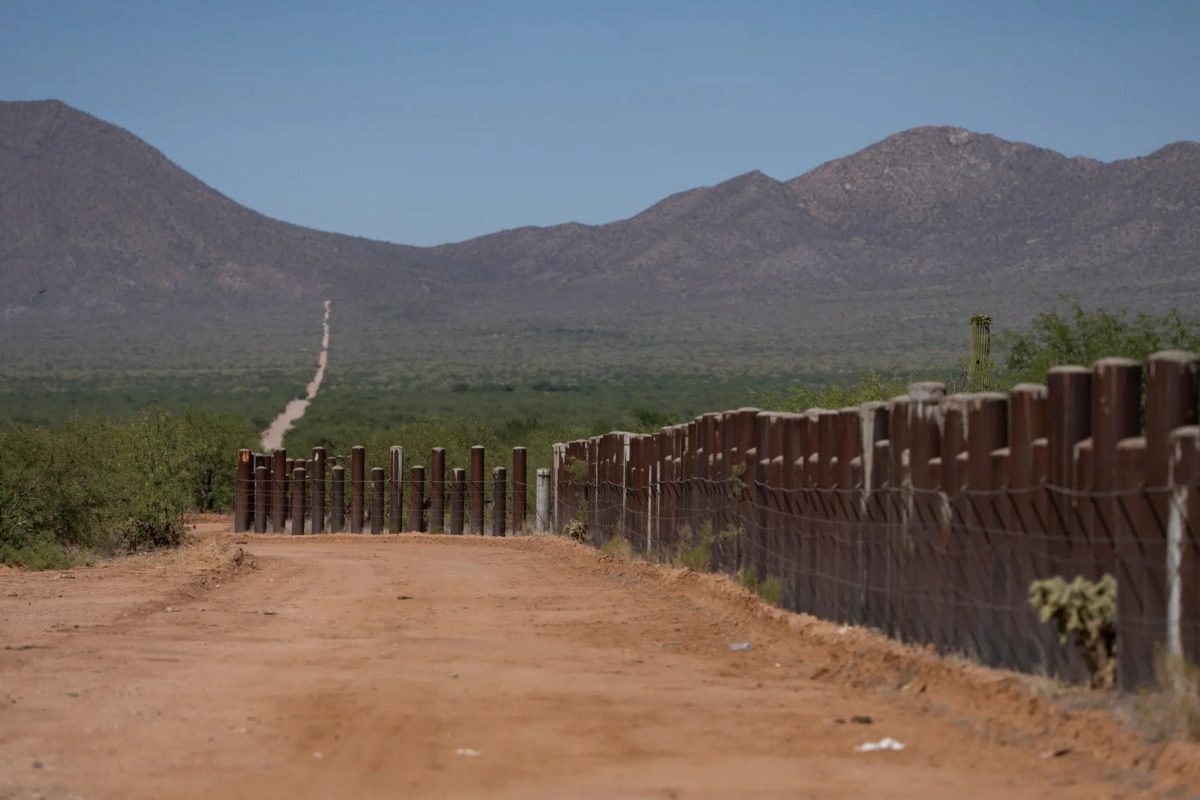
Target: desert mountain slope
[91,217]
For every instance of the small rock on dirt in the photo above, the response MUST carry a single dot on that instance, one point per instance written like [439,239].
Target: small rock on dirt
[862,719]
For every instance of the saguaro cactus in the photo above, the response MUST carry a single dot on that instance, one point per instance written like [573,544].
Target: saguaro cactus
[981,348]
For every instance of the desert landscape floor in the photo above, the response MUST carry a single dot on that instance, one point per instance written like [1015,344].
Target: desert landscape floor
[437,666]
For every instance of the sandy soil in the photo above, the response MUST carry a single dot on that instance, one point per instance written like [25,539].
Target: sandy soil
[423,666]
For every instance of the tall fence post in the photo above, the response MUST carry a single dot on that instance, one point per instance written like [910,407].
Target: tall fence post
[458,490]
[499,493]
[289,466]
[337,500]
[542,524]
[377,487]
[395,491]
[299,482]
[279,481]
[555,480]
[437,490]
[318,490]
[260,498]
[519,476]
[416,500]
[358,461]
[477,490]
[241,493]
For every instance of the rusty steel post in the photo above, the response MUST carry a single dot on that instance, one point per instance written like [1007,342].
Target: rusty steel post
[395,489]
[241,493]
[260,498]
[278,491]
[299,482]
[1032,641]
[437,489]
[377,489]
[477,490]
[318,490]
[289,466]
[1068,422]
[932,618]
[499,495]
[1141,607]
[984,547]
[1183,549]
[416,499]
[848,579]
[1143,604]
[458,491]
[1116,415]
[337,501]
[899,510]
[520,475]
[358,484]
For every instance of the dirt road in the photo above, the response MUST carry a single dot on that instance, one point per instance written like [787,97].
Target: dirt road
[272,437]
[422,666]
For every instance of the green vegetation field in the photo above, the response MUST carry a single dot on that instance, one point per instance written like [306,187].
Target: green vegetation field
[102,447]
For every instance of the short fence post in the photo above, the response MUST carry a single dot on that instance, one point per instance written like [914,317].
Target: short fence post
[260,498]
[377,500]
[519,479]
[458,481]
[278,491]
[318,490]
[499,512]
[437,489]
[477,490]
[416,500]
[395,497]
[241,496]
[299,482]
[358,458]
[337,506]
[542,524]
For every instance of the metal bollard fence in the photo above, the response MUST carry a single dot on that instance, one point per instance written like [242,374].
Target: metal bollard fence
[416,500]
[241,497]
[299,475]
[437,490]
[377,500]
[396,489]
[519,476]
[337,508]
[458,487]
[358,460]
[477,490]
[499,512]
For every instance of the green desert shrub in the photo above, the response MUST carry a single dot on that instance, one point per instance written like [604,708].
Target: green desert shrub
[1084,612]
[107,486]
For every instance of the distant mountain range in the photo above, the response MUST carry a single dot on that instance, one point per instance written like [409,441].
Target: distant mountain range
[92,218]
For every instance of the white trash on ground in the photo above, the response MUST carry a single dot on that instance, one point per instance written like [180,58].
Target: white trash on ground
[739,647]
[886,743]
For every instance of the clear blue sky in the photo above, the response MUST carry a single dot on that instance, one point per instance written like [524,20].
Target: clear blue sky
[434,121]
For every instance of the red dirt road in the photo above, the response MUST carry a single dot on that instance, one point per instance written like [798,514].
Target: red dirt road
[422,666]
